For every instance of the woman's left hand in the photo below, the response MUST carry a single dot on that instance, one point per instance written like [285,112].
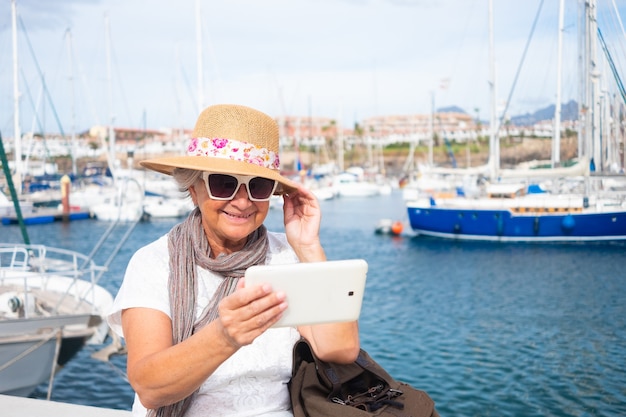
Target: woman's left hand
[303,217]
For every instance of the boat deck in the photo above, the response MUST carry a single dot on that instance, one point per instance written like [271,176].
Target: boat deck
[28,407]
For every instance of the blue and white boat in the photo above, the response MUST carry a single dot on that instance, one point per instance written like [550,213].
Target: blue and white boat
[543,217]
[578,205]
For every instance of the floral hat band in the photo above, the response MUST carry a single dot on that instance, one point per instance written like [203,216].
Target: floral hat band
[234,150]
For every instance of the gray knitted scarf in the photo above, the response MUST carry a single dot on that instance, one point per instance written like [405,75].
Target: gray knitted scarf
[188,249]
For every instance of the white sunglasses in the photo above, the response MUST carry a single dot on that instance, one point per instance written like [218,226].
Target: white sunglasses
[225,186]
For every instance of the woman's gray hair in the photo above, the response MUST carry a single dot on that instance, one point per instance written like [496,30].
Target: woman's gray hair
[185,178]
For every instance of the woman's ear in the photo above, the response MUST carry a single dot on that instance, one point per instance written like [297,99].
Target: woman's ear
[193,194]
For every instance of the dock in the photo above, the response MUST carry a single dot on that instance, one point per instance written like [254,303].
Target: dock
[12,406]
[47,215]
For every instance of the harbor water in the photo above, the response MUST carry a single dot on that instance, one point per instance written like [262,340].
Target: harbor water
[487,329]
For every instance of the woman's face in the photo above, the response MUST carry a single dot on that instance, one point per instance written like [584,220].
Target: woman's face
[227,224]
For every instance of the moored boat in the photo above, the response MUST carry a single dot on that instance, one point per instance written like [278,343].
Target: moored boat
[553,218]
[50,307]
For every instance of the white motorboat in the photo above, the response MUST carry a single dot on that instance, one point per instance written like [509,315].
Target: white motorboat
[50,307]
[166,207]
[125,205]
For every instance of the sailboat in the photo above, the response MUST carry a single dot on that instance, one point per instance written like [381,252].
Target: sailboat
[544,205]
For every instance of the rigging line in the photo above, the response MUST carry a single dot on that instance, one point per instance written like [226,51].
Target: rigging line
[122,89]
[619,18]
[35,107]
[43,80]
[609,58]
[187,83]
[620,24]
[85,88]
[37,120]
[519,68]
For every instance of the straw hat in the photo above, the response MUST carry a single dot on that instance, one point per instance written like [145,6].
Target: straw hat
[230,139]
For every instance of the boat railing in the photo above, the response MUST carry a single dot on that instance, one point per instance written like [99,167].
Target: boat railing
[17,258]
[69,273]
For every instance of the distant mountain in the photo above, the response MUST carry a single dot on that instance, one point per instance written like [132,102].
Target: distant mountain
[451,109]
[569,111]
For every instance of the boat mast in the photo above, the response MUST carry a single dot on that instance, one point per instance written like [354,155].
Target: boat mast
[556,140]
[199,57]
[594,75]
[17,134]
[340,155]
[494,145]
[72,107]
[111,157]
[431,129]
[588,131]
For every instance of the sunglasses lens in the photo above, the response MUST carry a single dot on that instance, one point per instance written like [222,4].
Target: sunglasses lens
[222,186]
[261,188]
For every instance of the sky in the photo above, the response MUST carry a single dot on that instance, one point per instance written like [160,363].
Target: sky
[135,63]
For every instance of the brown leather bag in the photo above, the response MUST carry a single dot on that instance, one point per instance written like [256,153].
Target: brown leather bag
[359,389]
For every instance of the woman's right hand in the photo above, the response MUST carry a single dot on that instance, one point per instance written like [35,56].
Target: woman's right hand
[163,373]
[248,312]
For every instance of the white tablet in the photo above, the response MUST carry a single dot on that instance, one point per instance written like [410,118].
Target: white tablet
[317,292]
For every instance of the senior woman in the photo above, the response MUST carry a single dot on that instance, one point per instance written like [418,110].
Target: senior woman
[199,341]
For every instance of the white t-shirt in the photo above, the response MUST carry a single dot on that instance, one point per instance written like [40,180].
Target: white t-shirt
[252,382]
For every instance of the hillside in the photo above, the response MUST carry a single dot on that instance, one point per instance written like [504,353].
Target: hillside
[512,153]
[569,111]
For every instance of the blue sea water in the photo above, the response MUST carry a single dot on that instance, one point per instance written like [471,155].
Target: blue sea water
[487,329]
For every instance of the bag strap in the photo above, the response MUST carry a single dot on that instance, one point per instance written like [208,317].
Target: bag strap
[365,361]
[302,352]
[335,374]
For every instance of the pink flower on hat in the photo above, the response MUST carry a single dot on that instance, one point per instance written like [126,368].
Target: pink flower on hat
[193,145]
[220,143]
[257,160]
[235,150]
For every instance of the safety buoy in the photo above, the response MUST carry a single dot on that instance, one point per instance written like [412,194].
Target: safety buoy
[396,227]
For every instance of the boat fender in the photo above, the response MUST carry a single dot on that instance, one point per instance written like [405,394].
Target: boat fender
[396,228]
[568,223]
[536,225]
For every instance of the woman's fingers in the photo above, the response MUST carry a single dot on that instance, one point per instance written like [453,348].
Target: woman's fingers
[248,312]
